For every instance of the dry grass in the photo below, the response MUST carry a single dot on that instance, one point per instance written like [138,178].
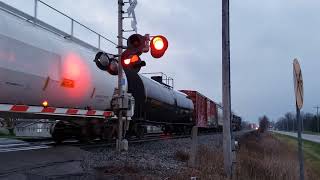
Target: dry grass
[264,157]
[311,151]
[261,157]
[209,165]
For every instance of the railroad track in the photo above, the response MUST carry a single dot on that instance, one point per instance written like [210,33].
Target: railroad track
[145,139]
[14,145]
[33,145]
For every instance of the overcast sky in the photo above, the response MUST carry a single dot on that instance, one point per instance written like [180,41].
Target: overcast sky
[265,38]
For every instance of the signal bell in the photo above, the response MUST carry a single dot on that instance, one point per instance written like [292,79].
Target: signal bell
[159,45]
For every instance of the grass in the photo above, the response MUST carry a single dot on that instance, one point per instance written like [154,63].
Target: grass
[311,132]
[8,136]
[311,150]
[261,157]
[305,132]
[209,165]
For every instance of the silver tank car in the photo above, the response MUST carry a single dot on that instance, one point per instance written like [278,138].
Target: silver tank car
[37,65]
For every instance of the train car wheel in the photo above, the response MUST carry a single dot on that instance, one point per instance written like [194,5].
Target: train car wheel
[57,138]
[140,131]
[85,134]
[186,130]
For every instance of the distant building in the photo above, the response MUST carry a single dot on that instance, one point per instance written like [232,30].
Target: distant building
[33,128]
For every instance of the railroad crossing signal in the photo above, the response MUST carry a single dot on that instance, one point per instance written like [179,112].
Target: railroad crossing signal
[130,60]
[298,89]
[159,45]
[298,83]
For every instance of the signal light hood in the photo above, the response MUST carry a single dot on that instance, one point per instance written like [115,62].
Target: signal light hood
[107,63]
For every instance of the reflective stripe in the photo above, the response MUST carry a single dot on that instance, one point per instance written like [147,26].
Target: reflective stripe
[107,113]
[91,112]
[60,111]
[99,113]
[48,110]
[19,108]
[34,109]
[5,107]
[52,110]
[72,111]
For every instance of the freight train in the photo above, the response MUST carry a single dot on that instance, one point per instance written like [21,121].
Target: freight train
[46,74]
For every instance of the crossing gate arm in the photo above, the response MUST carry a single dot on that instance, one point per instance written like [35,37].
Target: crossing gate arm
[34,112]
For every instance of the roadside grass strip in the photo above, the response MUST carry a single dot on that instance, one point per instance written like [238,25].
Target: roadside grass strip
[311,150]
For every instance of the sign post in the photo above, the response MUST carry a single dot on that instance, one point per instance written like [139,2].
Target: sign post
[298,89]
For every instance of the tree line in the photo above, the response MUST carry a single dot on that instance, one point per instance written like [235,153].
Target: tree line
[288,122]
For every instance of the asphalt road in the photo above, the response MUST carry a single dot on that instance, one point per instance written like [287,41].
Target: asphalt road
[309,137]
[11,145]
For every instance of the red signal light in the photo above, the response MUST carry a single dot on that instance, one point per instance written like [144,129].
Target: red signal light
[127,61]
[45,103]
[158,45]
[130,60]
[134,59]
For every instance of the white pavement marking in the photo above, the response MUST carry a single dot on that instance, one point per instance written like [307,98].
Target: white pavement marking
[14,145]
[11,145]
[23,148]
[309,137]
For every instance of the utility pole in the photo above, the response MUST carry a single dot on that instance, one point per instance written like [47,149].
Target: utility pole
[318,128]
[226,95]
[120,81]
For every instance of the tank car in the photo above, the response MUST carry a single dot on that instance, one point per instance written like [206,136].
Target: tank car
[159,104]
[37,65]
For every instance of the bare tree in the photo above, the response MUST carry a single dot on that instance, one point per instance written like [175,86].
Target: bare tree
[263,123]
[288,122]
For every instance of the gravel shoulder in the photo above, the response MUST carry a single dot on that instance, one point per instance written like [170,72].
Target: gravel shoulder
[150,160]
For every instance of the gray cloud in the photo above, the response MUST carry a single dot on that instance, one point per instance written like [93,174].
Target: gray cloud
[265,37]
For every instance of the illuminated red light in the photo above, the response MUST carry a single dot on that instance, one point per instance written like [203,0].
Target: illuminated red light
[134,59]
[158,43]
[68,83]
[75,77]
[127,61]
[45,103]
